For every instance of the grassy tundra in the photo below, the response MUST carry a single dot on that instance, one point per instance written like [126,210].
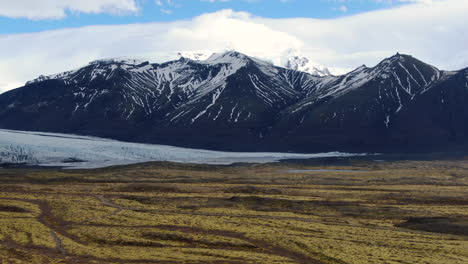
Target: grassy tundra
[394,212]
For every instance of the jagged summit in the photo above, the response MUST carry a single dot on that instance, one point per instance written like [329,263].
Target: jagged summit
[227,56]
[292,60]
[305,65]
[237,59]
[119,60]
[399,58]
[194,55]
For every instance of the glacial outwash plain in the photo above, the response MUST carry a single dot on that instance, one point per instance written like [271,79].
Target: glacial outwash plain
[336,210]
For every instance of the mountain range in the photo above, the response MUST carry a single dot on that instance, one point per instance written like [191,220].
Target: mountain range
[231,101]
[291,59]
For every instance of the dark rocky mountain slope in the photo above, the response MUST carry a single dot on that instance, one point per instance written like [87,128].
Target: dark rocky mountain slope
[235,102]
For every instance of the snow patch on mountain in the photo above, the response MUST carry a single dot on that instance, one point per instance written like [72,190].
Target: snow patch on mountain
[292,60]
[230,57]
[194,55]
[120,60]
[303,64]
[295,60]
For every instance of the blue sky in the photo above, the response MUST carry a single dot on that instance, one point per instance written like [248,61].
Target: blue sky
[173,10]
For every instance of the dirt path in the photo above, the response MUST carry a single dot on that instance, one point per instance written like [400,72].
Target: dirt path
[58,241]
[58,226]
[108,202]
[271,248]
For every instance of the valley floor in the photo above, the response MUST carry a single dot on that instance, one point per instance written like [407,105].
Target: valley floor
[365,212]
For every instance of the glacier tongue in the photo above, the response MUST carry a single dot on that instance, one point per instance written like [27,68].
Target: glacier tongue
[71,151]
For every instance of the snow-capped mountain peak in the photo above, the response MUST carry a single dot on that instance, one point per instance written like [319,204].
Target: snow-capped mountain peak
[119,60]
[232,57]
[292,60]
[303,64]
[420,73]
[235,59]
[194,55]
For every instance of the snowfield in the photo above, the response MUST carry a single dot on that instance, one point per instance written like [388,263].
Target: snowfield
[81,152]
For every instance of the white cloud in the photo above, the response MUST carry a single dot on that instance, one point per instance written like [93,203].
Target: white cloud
[8,86]
[434,33]
[59,50]
[57,9]
[4,87]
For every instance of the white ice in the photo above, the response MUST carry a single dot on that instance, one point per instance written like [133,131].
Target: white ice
[50,149]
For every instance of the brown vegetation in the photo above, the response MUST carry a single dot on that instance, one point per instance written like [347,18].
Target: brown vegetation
[395,212]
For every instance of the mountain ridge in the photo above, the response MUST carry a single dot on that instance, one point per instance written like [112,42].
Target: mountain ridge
[231,101]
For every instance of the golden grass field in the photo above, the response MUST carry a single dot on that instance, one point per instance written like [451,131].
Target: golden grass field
[392,212]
